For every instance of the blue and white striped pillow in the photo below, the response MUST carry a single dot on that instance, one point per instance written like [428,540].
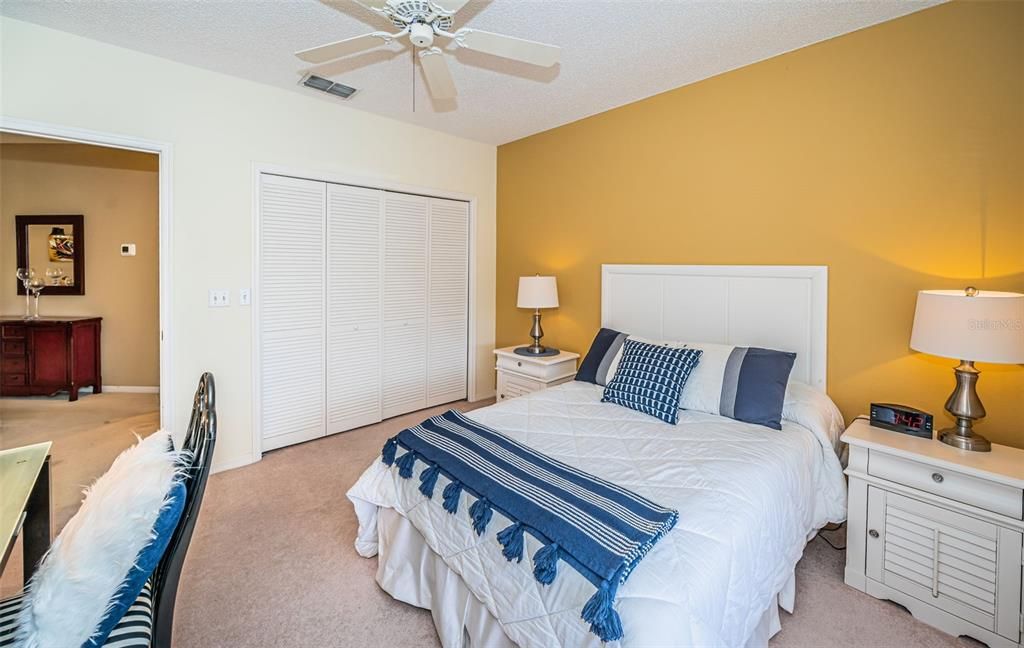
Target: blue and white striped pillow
[650,379]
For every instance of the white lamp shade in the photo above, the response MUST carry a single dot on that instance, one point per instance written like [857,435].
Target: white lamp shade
[537,292]
[988,327]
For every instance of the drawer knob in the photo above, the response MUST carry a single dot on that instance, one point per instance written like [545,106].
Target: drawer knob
[937,478]
[519,364]
[873,533]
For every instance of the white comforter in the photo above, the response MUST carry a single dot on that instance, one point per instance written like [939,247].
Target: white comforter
[748,498]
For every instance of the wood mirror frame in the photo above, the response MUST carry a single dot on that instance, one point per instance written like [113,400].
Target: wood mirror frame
[77,224]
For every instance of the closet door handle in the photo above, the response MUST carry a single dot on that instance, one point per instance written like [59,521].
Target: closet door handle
[935,563]
[873,533]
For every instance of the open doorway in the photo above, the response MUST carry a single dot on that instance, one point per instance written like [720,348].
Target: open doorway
[83,221]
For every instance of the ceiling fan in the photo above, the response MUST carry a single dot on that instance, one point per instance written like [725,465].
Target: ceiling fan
[423,21]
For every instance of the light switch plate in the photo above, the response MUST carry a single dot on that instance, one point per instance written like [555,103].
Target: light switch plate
[244,297]
[220,298]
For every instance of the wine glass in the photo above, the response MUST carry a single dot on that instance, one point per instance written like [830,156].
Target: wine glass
[35,286]
[24,276]
[54,275]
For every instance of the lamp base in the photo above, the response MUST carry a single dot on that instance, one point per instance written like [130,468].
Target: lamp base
[972,442]
[535,353]
[966,407]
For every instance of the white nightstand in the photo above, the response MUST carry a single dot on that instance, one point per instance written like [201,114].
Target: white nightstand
[518,375]
[938,530]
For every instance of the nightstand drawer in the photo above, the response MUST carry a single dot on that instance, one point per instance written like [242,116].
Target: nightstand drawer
[541,371]
[988,495]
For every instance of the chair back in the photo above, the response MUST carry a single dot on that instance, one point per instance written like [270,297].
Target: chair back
[199,442]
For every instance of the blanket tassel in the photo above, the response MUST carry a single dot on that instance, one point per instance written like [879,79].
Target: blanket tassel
[452,492]
[601,615]
[511,539]
[405,464]
[387,455]
[428,479]
[481,514]
[545,564]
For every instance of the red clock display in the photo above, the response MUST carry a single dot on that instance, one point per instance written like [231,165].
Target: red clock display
[910,420]
[900,418]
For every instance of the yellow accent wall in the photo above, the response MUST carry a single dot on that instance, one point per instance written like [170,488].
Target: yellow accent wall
[894,155]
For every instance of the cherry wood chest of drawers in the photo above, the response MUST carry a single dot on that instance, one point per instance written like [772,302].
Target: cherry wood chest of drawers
[49,355]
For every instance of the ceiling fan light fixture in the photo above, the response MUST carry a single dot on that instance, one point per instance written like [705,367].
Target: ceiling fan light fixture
[328,86]
[422,22]
[421,34]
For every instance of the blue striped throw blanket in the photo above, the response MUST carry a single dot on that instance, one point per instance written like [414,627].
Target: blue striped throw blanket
[600,529]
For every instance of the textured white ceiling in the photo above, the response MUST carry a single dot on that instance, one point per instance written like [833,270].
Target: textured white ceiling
[614,51]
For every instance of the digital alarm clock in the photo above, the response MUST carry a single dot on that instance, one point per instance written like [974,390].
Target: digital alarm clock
[900,418]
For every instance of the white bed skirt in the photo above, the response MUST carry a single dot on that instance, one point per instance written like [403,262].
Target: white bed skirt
[411,572]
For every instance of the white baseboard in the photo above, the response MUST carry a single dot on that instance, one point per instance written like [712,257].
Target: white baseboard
[232,463]
[131,389]
[480,395]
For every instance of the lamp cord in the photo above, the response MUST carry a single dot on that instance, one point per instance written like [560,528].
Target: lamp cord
[831,527]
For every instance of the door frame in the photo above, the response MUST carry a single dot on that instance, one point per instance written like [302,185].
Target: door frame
[261,168]
[164,153]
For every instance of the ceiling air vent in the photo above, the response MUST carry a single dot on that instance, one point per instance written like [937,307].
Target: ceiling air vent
[328,86]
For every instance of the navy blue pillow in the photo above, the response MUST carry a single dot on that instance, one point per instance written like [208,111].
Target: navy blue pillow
[145,563]
[650,378]
[594,368]
[754,385]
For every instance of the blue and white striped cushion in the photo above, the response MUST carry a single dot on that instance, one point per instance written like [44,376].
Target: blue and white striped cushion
[650,379]
[134,630]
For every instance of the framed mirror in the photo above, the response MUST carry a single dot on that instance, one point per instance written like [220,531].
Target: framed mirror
[53,246]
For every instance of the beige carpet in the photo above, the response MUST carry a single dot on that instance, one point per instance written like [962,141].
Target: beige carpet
[272,565]
[87,435]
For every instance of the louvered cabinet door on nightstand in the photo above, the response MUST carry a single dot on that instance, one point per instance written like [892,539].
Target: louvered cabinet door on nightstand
[939,531]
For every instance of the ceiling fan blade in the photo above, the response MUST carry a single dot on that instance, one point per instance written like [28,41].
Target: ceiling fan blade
[336,50]
[450,6]
[439,79]
[510,47]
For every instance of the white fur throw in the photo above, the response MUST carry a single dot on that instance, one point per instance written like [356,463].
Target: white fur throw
[73,586]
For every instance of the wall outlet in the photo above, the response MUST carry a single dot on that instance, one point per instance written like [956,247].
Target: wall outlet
[220,298]
[244,297]
[127,249]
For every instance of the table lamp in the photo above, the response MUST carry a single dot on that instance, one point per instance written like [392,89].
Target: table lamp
[973,326]
[537,292]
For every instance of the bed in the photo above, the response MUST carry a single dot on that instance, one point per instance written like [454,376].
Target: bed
[748,498]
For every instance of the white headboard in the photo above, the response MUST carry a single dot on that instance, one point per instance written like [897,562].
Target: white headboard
[775,307]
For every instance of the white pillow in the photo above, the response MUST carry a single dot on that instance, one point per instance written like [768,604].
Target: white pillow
[703,390]
[77,579]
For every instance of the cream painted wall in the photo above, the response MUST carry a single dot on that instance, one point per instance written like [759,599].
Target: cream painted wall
[116,191]
[220,127]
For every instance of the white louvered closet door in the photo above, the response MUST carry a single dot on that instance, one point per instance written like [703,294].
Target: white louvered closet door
[448,292]
[354,273]
[291,310]
[404,368]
